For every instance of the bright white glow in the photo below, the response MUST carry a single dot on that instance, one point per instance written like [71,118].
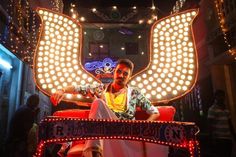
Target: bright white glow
[5,64]
[94,10]
[140,85]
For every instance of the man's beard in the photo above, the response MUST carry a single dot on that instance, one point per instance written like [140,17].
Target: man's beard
[120,82]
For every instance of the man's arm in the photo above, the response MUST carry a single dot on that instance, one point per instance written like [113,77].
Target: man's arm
[210,129]
[86,90]
[145,104]
[210,121]
[59,94]
[231,127]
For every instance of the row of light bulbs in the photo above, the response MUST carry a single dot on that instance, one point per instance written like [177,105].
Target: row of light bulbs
[172,67]
[57,55]
[20,16]
[222,21]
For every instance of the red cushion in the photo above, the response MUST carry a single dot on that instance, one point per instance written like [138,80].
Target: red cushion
[72,113]
[166,113]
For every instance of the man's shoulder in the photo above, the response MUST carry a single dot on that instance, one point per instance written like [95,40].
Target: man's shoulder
[213,107]
[134,90]
[22,111]
[22,108]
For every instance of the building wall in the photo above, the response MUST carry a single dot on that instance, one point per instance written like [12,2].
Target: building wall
[219,61]
[10,88]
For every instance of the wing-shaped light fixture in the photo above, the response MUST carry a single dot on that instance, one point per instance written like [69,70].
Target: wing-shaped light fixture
[57,60]
[173,67]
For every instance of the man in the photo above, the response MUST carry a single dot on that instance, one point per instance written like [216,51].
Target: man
[220,126]
[20,125]
[116,101]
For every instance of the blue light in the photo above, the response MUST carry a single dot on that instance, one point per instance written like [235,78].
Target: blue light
[5,50]
[5,64]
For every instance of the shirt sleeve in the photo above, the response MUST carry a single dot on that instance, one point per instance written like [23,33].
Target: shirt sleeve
[94,90]
[144,103]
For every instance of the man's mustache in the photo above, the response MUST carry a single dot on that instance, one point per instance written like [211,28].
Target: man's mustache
[120,78]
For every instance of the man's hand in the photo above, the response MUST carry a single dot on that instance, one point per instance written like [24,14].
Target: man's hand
[57,97]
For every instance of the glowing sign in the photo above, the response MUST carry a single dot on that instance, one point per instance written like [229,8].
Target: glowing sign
[105,66]
[103,70]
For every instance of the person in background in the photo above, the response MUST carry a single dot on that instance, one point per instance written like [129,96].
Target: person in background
[116,100]
[20,125]
[32,140]
[220,126]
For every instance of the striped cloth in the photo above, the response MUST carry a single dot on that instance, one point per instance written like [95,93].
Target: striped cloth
[219,119]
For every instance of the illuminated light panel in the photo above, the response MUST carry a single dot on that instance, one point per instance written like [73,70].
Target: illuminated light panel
[173,59]
[54,60]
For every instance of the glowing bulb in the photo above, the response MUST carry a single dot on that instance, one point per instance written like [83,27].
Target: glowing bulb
[145,82]
[138,79]
[163,85]
[154,84]
[187,83]
[148,96]
[178,87]
[184,88]
[172,84]
[174,92]
[42,81]
[153,92]
[163,93]
[44,86]
[159,96]
[69,96]
[168,89]
[143,90]
[159,89]
[140,85]
[82,82]
[133,83]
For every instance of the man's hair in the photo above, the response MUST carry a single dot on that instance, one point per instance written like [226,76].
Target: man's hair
[33,100]
[127,63]
[218,93]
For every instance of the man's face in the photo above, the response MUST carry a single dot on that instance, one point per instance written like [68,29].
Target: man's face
[122,74]
[220,99]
